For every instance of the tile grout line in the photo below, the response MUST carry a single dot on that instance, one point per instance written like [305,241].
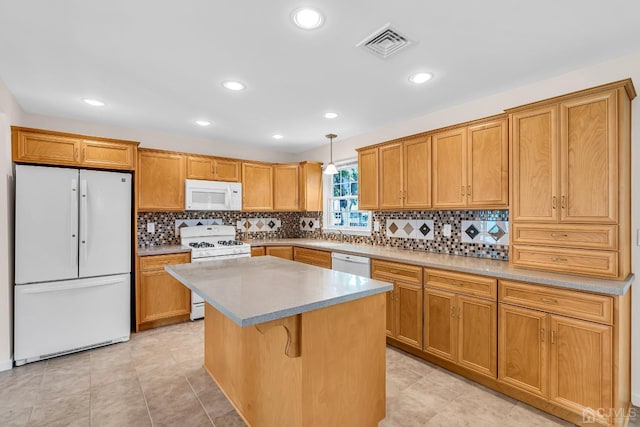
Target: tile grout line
[200,401]
[144,396]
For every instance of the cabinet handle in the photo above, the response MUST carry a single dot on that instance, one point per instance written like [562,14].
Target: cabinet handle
[393,271]
[553,202]
[462,191]
[563,204]
[453,312]
[541,334]
[468,190]
[553,337]
[555,259]
[84,153]
[401,195]
[456,283]
[549,300]
[559,235]
[75,155]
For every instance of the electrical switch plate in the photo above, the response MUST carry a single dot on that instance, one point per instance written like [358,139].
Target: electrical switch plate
[376,225]
[446,230]
[151,227]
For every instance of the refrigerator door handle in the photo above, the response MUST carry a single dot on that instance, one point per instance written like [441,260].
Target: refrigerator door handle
[47,287]
[73,222]
[83,219]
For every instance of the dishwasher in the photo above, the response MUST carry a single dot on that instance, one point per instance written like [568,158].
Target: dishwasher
[358,265]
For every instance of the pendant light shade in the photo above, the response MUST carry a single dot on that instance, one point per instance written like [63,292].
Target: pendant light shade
[331,168]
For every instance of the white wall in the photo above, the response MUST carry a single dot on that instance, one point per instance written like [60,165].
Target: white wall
[156,139]
[618,69]
[10,112]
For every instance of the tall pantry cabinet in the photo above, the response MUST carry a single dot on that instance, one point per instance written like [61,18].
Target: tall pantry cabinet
[570,186]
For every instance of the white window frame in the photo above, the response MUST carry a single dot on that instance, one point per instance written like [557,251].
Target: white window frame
[327,196]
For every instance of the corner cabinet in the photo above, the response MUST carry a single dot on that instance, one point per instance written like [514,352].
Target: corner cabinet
[57,148]
[161,299]
[571,171]
[311,186]
[257,187]
[160,180]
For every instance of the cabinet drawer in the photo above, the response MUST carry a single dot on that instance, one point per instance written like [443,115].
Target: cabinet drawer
[578,304]
[394,271]
[576,261]
[155,262]
[576,236]
[258,251]
[468,284]
[312,256]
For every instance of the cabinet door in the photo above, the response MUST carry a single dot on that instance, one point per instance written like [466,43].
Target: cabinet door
[488,165]
[34,147]
[589,159]
[449,169]
[417,173]
[409,314]
[162,296]
[226,170]
[368,179]
[108,155]
[285,252]
[257,187]
[160,178]
[522,352]
[390,319]
[257,251]
[391,188]
[478,335]
[200,167]
[534,162]
[440,323]
[580,364]
[310,186]
[285,189]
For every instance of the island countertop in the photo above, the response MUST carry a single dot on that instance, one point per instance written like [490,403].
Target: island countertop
[250,291]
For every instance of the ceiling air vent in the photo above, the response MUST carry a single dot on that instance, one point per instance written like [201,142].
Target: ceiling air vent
[385,42]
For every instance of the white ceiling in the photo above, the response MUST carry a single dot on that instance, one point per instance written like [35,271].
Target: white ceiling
[158,64]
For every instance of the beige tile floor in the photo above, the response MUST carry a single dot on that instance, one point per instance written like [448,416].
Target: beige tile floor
[157,379]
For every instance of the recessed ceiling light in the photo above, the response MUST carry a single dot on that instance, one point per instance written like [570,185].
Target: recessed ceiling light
[420,78]
[330,115]
[307,18]
[203,122]
[233,85]
[93,102]
[277,136]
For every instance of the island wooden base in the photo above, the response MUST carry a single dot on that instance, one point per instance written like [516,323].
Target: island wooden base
[321,368]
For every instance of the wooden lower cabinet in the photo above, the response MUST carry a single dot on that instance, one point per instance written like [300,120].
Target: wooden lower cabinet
[258,251]
[312,257]
[285,252]
[461,329]
[404,314]
[161,299]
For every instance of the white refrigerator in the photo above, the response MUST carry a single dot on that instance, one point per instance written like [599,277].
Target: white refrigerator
[72,260]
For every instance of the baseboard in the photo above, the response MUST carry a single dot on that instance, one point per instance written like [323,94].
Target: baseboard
[5,365]
[635,399]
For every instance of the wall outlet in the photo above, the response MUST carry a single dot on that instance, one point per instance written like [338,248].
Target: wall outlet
[151,227]
[376,225]
[446,230]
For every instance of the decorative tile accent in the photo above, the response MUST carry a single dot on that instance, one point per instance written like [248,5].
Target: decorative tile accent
[485,232]
[180,223]
[410,229]
[309,224]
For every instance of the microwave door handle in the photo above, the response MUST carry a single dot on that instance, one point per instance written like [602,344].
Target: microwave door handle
[227,197]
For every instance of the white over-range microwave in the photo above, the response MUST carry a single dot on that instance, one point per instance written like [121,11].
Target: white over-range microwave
[203,195]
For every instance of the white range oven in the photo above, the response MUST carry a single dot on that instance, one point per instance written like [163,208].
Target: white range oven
[211,243]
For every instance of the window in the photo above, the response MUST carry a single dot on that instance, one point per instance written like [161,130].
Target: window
[341,201]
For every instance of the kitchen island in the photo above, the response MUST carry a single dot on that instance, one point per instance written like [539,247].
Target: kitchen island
[291,344]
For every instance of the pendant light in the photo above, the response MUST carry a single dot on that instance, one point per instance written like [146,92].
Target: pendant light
[331,168]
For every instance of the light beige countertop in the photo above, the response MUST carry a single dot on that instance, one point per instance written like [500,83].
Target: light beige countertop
[465,264]
[259,289]
[162,250]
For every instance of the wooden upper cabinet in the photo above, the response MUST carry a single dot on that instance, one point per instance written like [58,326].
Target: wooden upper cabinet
[391,176]
[488,164]
[368,179]
[589,159]
[311,186]
[534,135]
[449,168]
[212,168]
[286,187]
[257,187]
[58,148]
[160,177]
[417,173]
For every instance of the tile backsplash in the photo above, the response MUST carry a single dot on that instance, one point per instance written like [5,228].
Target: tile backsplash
[482,233]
